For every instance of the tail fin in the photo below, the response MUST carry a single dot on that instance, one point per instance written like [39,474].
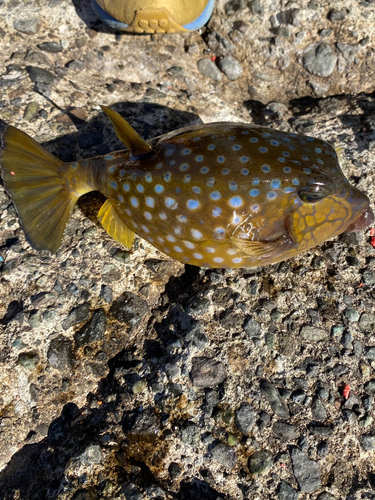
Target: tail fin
[33,178]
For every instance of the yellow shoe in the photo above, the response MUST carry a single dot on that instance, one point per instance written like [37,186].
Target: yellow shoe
[154,16]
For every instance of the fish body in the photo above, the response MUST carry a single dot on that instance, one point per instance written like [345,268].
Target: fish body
[214,195]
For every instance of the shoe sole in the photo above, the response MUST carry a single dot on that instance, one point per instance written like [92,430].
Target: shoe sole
[151,21]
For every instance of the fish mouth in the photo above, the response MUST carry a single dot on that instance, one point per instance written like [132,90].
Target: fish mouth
[364,220]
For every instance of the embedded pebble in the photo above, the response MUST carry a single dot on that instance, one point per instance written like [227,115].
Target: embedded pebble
[77,315]
[190,434]
[367,441]
[245,418]
[277,403]
[208,68]
[40,75]
[31,111]
[230,67]
[28,359]
[60,353]
[224,455]
[52,47]
[336,15]
[325,496]
[207,372]
[348,51]
[129,309]
[313,333]
[93,331]
[319,59]
[260,462]
[286,492]
[28,26]
[306,471]
[285,431]
[318,410]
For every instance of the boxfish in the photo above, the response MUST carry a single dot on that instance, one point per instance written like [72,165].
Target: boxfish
[210,195]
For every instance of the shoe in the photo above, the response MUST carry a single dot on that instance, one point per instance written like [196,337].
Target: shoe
[154,16]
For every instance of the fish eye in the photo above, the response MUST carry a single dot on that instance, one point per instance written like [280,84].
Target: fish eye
[313,194]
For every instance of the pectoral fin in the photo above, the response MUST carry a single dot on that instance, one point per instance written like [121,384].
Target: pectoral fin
[264,249]
[267,250]
[126,133]
[113,222]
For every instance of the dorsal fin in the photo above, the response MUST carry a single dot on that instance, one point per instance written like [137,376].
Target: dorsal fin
[126,133]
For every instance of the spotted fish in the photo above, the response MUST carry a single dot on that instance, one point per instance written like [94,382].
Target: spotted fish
[214,195]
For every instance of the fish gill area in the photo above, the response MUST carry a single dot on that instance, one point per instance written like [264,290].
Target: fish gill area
[127,375]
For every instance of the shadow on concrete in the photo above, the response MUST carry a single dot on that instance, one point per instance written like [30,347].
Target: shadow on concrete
[37,470]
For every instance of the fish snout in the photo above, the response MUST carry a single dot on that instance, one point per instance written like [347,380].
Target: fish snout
[362,222]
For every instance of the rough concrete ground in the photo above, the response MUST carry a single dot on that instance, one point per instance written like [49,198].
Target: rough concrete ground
[126,375]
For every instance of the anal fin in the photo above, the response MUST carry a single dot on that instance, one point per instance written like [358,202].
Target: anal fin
[113,222]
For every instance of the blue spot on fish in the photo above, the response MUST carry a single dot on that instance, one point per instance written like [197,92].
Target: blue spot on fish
[318,150]
[140,188]
[170,202]
[196,234]
[187,178]
[211,147]
[253,139]
[236,147]
[113,184]
[281,159]
[216,212]
[199,158]
[120,198]
[215,195]
[150,202]
[266,169]
[254,193]
[196,189]
[159,188]
[126,187]
[287,170]
[225,171]
[245,171]
[295,182]
[289,190]
[186,151]
[112,169]
[233,186]
[307,171]
[275,183]
[184,166]
[220,159]
[108,157]
[167,176]
[271,195]
[74,165]
[192,204]
[263,150]
[255,181]
[204,170]
[159,166]
[236,201]
[244,159]
[148,177]
[134,202]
